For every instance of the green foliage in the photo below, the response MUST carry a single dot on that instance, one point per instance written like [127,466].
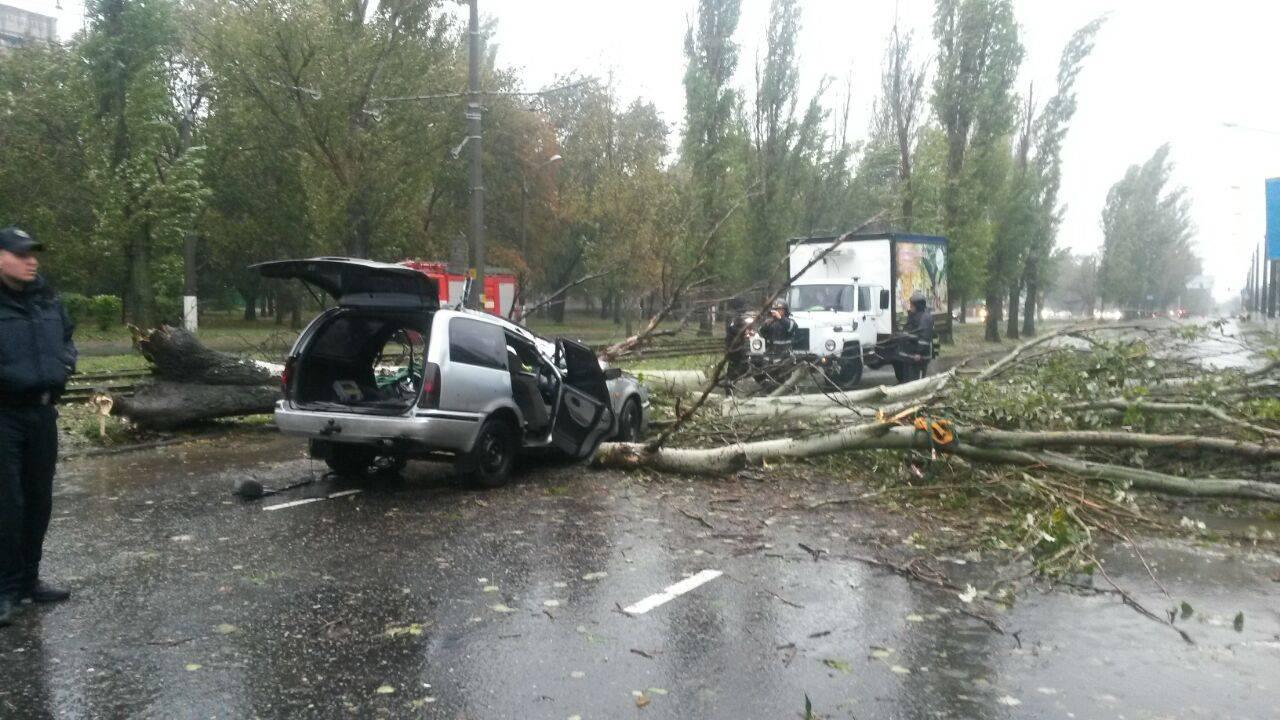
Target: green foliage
[100,311]
[1147,258]
[979,54]
[305,127]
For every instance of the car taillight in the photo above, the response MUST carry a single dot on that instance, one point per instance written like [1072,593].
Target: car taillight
[430,387]
[286,375]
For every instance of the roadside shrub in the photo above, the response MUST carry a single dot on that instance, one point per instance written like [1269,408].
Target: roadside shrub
[105,311]
[100,311]
[77,306]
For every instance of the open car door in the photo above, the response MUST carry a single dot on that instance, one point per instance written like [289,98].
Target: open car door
[583,415]
[359,283]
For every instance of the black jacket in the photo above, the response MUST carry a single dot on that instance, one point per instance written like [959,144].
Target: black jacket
[36,352]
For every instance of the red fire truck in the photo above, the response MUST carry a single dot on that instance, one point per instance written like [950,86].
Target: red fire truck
[499,285]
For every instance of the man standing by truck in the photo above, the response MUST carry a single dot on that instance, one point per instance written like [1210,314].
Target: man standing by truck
[920,327]
[36,357]
[779,327]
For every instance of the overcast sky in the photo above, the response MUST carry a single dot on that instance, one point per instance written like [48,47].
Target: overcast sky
[1161,72]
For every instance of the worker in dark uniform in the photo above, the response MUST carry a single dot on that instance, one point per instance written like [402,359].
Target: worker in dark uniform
[779,327]
[920,326]
[735,340]
[36,356]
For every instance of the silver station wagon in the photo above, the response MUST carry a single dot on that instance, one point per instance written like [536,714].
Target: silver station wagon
[387,375]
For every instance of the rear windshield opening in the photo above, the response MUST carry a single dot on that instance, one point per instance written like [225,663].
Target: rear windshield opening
[370,363]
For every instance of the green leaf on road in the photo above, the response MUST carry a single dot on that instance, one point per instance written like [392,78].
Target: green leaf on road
[840,665]
[1238,623]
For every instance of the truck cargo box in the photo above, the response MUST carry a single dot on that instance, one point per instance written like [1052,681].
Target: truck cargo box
[900,261]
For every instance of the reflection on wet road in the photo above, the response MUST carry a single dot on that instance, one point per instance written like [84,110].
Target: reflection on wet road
[422,598]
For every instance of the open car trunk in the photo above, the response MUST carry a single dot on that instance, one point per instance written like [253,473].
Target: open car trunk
[363,362]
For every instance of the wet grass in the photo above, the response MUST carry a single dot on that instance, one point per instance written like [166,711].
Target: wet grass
[93,364]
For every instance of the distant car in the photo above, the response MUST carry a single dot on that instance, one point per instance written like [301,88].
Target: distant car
[388,375]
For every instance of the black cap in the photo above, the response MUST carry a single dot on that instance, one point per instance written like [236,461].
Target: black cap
[16,240]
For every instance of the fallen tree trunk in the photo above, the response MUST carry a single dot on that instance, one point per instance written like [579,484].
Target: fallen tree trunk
[675,382]
[788,404]
[168,405]
[884,436]
[196,383]
[177,355]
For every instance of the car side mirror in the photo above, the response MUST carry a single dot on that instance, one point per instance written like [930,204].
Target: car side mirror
[612,373]
[884,299]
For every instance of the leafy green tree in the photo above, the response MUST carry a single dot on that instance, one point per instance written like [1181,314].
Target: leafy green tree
[714,138]
[45,183]
[140,145]
[1146,254]
[1051,130]
[978,58]
[786,147]
[344,81]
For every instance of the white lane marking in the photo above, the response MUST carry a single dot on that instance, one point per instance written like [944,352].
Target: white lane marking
[672,592]
[304,501]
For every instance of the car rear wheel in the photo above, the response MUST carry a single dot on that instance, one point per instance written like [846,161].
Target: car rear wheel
[349,460]
[390,465]
[488,465]
[630,422]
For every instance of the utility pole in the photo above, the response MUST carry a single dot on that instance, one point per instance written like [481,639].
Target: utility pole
[190,305]
[476,300]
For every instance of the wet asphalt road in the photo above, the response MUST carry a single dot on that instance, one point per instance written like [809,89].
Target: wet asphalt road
[421,598]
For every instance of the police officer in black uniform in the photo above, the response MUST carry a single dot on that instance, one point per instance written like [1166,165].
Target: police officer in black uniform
[36,356]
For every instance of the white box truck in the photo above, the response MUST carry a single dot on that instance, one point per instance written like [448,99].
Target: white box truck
[850,308]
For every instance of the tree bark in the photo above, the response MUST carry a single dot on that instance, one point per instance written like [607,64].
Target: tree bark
[250,307]
[1033,289]
[196,383]
[995,314]
[168,405]
[139,292]
[1011,331]
[176,355]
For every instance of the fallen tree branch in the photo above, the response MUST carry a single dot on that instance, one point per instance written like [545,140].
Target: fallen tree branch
[935,579]
[1010,439]
[682,285]
[1137,606]
[525,313]
[718,372]
[1005,362]
[1172,408]
[886,436]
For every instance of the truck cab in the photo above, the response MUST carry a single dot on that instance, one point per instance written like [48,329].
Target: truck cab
[836,321]
[849,298]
